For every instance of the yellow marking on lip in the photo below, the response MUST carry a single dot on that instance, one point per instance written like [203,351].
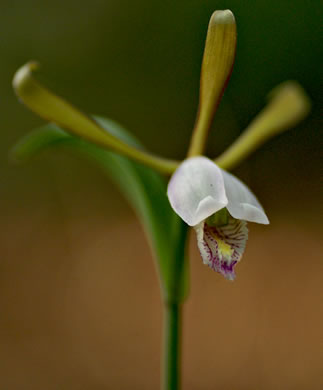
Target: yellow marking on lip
[224,248]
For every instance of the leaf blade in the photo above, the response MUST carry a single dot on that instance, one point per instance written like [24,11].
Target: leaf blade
[144,188]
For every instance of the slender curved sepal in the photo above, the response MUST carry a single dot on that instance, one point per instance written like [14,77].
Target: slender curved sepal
[55,109]
[288,105]
[218,58]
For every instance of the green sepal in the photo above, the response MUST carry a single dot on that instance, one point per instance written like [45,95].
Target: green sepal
[144,188]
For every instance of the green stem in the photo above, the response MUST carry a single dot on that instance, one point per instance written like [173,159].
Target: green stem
[172,346]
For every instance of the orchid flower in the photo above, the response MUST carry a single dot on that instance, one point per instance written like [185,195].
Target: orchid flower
[206,197]
[218,206]
[201,191]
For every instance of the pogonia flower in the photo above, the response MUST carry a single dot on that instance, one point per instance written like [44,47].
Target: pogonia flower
[214,202]
[218,206]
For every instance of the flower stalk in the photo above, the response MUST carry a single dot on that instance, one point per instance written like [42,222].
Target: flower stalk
[172,346]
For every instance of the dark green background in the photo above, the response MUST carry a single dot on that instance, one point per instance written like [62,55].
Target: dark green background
[138,62]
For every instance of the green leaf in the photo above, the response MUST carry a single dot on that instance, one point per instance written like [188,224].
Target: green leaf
[144,188]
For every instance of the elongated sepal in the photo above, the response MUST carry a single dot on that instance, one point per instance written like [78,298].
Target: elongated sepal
[55,109]
[216,69]
[288,105]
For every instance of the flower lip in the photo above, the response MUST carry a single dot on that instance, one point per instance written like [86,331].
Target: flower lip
[221,248]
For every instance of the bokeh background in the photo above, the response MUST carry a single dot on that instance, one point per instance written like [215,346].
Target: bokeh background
[79,299]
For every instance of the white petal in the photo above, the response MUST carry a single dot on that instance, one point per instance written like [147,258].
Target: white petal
[196,190]
[242,203]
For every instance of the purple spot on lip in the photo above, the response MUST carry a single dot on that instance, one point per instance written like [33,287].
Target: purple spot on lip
[228,267]
[227,270]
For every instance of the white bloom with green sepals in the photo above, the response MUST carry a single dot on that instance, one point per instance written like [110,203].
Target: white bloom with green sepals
[217,205]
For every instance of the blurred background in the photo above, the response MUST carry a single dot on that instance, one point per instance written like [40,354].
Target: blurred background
[79,298]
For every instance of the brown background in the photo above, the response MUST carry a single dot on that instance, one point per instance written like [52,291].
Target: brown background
[79,299]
